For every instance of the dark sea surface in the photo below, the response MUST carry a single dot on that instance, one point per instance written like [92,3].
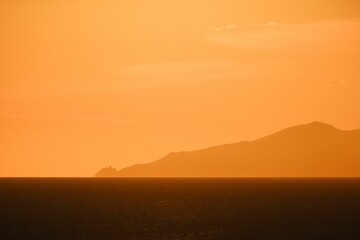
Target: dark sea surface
[89,208]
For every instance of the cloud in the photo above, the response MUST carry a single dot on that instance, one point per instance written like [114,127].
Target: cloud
[272,24]
[265,25]
[232,26]
[215,29]
[170,72]
[332,37]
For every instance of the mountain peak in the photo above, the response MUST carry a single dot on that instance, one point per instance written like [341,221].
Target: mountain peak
[315,126]
[319,124]
[301,132]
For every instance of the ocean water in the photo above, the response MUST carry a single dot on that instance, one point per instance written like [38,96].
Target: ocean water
[89,208]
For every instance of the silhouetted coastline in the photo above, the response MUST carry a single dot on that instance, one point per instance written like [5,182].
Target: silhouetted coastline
[310,150]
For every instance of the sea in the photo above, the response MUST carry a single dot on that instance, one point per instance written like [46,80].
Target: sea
[180,208]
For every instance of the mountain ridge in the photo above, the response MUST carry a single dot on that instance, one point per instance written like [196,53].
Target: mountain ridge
[309,150]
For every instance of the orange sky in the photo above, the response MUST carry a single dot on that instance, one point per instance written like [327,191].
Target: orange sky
[85,84]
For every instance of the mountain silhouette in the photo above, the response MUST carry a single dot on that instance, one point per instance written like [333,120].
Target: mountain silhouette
[311,150]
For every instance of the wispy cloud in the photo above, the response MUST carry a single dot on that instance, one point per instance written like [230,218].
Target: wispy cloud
[328,84]
[311,38]
[272,24]
[344,82]
[231,26]
[170,72]
[215,29]
[265,25]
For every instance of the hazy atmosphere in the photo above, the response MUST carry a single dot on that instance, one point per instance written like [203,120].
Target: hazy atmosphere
[87,84]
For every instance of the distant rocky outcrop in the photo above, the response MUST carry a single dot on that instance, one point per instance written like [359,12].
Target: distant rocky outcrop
[311,150]
[107,172]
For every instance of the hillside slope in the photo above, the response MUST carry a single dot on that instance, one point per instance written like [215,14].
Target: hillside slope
[310,150]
